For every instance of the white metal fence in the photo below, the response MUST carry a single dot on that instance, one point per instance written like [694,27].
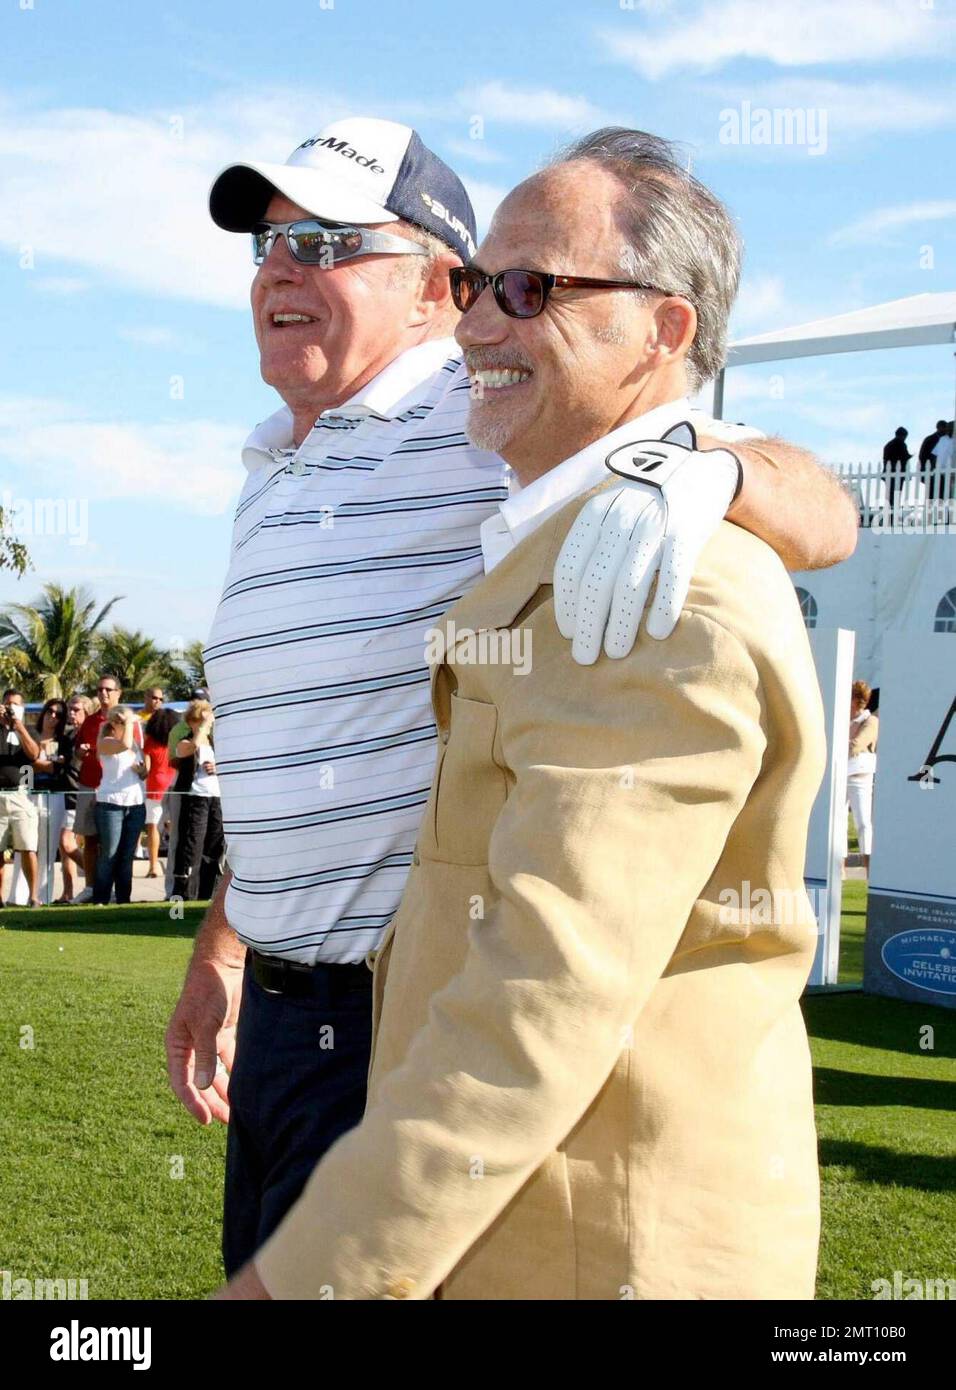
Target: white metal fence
[917,495]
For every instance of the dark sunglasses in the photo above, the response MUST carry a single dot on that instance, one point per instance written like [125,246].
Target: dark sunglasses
[522,294]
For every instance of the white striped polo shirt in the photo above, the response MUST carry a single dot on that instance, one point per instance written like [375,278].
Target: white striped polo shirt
[344,552]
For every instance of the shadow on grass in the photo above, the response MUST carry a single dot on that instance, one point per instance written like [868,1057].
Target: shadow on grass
[890,1167]
[892,1025]
[133,919]
[834,1087]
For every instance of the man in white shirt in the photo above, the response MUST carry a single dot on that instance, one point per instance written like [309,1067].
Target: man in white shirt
[943,455]
[359,524]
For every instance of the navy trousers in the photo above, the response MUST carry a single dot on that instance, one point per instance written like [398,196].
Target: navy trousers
[298,1082]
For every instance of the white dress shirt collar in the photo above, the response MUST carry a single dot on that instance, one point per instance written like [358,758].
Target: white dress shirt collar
[527,507]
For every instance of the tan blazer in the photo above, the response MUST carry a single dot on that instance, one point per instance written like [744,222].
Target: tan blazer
[590,1075]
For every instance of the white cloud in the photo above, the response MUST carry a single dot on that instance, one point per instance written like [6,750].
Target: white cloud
[768,302]
[530,106]
[881,224]
[789,33]
[485,197]
[62,286]
[149,335]
[844,411]
[851,110]
[194,465]
[475,151]
[135,186]
[761,305]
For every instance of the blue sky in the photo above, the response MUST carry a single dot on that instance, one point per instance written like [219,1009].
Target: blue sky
[130,373]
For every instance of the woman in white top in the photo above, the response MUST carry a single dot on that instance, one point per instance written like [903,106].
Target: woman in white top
[199,841]
[120,810]
[861,765]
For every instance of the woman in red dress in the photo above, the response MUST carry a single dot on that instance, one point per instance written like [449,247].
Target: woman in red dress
[156,732]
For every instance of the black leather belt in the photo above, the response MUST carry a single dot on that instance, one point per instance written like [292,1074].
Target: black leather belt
[298,981]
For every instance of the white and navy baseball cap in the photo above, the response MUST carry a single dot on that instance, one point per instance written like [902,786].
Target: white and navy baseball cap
[358,170]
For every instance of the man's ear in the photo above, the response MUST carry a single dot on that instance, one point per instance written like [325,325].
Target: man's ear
[676,325]
[435,298]
[683,434]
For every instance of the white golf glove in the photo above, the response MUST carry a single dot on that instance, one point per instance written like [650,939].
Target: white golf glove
[671,500]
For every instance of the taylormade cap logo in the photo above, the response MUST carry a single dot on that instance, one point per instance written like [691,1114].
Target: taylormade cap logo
[343,148]
[439,210]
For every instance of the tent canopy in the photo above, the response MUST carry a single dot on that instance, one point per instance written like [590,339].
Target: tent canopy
[917,321]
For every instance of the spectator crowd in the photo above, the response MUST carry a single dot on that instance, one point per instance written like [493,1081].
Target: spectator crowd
[94,785]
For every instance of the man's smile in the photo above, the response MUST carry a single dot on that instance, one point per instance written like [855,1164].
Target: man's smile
[497,378]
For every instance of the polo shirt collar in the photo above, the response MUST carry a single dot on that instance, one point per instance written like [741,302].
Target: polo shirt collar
[395,389]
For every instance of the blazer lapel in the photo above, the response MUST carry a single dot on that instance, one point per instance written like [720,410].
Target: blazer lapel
[498,598]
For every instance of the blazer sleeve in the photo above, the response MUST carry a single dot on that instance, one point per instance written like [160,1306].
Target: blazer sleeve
[627,778]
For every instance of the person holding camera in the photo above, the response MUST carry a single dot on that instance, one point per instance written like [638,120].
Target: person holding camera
[53,777]
[120,810]
[19,821]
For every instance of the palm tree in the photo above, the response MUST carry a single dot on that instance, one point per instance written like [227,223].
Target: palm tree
[182,671]
[56,638]
[192,662]
[13,553]
[132,657]
[14,668]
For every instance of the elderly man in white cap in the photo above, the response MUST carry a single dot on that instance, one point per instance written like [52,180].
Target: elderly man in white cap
[358,525]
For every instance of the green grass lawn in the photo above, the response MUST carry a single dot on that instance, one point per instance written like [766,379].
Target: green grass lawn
[91,1137]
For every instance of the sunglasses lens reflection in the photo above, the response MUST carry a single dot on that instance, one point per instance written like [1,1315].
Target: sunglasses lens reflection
[466,286]
[522,294]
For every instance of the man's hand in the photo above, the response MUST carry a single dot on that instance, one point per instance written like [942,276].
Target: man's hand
[202,1031]
[244,1286]
[670,501]
[201,1034]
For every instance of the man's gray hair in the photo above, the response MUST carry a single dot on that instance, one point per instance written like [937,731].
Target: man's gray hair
[677,234]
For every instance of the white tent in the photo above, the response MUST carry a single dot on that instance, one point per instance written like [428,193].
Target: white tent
[918,321]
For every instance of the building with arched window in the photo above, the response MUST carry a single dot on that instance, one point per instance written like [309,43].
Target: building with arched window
[896,581]
[946,613]
[808,606]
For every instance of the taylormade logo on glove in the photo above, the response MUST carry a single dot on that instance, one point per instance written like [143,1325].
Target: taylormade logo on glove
[671,500]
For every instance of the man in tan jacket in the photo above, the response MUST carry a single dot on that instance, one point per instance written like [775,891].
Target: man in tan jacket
[590,1074]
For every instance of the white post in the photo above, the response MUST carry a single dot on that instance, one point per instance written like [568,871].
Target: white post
[833,656]
[718,407]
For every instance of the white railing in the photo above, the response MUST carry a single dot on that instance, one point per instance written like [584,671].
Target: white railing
[921,499]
